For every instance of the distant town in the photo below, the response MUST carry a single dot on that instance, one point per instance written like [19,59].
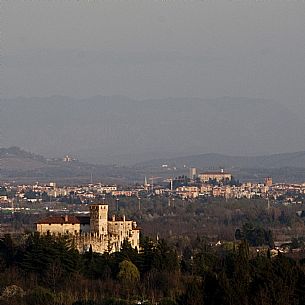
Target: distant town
[201,185]
[153,207]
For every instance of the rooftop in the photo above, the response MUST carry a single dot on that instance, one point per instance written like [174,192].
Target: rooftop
[60,220]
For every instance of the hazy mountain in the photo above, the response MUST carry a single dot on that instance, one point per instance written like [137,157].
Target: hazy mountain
[287,167]
[217,161]
[22,166]
[124,131]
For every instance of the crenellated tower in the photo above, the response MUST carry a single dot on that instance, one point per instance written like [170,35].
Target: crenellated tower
[99,219]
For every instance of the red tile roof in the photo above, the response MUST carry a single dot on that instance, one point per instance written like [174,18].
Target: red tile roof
[59,220]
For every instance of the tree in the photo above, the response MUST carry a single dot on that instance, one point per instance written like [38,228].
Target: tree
[52,259]
[284,219]
[255,236]
[193,294]
[165,258]
[128,275]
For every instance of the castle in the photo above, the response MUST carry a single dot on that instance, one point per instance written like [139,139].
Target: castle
[97,231]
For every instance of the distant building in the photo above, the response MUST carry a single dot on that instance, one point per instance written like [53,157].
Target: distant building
[68,158]
[193,173]
[187,192]
[97,231]
[217,176]
[268,181]
[3,198]
[107,189]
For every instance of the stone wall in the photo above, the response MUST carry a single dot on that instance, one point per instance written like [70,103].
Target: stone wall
[54,228]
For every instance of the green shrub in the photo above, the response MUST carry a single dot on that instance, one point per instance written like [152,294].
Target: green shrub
[40,296]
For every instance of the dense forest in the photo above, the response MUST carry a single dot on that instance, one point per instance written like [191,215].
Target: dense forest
[38,270]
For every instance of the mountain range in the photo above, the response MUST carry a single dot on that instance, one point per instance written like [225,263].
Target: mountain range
[19,165]
[217,161]
[124,131]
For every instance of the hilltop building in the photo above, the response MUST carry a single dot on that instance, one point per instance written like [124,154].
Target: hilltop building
[97,231]
[217,176]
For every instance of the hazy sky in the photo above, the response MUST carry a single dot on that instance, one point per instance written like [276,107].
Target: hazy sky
[151,50]
[148,49]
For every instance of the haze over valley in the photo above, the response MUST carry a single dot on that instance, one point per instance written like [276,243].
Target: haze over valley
[124,131]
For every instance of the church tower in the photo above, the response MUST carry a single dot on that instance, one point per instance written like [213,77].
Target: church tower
[99,219]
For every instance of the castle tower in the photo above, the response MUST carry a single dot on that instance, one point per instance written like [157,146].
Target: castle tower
[99,219]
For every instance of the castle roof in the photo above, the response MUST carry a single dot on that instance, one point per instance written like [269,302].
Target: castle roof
[59,220]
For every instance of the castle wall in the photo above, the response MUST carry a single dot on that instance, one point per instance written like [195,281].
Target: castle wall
[121,230]
[99,243]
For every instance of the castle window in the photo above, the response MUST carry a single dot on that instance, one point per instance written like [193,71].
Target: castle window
[49,224]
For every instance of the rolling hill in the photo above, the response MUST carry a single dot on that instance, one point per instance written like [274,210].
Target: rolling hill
[19,165]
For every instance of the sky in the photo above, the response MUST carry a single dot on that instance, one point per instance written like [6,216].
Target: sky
[149,49]
[155,49]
